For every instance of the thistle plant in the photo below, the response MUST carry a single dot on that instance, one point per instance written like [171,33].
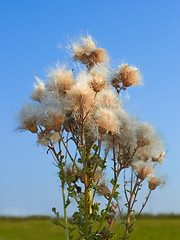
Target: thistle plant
[80,119]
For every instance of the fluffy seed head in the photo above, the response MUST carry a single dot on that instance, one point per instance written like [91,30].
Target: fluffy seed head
[127,75]
[144,133]
[107,98]
[98,56]
[150,145]
[98,83]
[85,46]
[159,158]
[143,142]
[127,139]
[61,80]
[87,53]
[28,118]
[39,90]
[51,114]
[106,121]
[45,138]
[143,172]
[81,96]
[83,49]
[153,183]
[54,123]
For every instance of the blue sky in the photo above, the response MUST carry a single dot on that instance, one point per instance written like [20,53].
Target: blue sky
[144,33]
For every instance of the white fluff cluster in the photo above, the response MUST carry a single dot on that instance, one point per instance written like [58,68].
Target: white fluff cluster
[39,90]
[28,117]
[150,145]
[66,103]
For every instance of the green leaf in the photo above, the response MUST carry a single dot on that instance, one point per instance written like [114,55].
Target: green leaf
[116,195]
[132,211]
[113,181]
[126,204]
[130,230]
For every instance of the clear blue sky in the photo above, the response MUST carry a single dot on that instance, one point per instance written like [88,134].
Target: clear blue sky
[145,33]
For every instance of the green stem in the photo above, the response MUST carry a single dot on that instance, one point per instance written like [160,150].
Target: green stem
[65,211]
[90,200]
[86,207]
[69,153]
[56,157]
[109,202]
[128,219]
[144,204]
[86,204]
[95,190]
[86,188]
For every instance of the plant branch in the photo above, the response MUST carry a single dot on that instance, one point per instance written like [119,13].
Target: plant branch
[65,210]
[69,152]
[109,201]
[144,204]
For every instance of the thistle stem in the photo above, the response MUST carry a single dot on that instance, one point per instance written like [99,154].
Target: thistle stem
[65,211]
[128,219]
[90,200]
[144,204]
[109,201]
[69,152]
[56,157]
[86,204]
[85,178]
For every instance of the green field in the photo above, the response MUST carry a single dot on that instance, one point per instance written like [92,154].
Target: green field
[146,228]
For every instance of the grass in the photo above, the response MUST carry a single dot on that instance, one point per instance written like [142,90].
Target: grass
[41,228]
[155,228]
[29,229]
